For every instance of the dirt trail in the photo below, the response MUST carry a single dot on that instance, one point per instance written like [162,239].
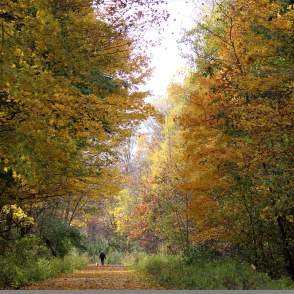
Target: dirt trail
[100,278]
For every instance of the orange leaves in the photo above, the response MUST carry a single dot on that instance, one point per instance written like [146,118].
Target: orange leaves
[141,208]
[209,234]
[202,203]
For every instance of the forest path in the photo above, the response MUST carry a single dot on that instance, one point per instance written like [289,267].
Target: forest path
[106,277]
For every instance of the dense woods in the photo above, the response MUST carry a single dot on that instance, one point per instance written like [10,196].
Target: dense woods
[69,97]
[222,176]
[86,164]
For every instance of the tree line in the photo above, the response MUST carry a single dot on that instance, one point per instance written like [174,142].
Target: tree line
[218,172]
[70,73]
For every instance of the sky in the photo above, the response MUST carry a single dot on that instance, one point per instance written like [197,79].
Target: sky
[166,57]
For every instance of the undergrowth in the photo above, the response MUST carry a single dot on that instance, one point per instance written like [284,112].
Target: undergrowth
[30,261]
[205,274]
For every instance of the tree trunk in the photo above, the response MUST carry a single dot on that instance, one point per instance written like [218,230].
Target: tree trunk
[286,249]
[75,209]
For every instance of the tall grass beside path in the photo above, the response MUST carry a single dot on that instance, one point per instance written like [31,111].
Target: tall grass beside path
[173,272]
[14,275]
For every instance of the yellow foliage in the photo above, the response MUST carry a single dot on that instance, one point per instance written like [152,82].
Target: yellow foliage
[17,214]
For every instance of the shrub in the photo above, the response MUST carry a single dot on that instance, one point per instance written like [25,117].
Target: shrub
[60,237]
[28,260]
[194,254]
[114,257]
[13,275]
[208,274]
[132,258]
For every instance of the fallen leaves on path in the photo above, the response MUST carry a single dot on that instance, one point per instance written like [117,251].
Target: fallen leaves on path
[98,277]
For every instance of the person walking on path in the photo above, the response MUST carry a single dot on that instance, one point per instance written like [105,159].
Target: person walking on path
[102,257]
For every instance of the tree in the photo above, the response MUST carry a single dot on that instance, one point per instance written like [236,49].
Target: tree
[69,97]
[245,55]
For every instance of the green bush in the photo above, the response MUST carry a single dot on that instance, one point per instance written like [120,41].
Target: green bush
[132,258]
[208,274]
[28,260]
[13,275]
[18,258]
[60,237]
[114,257]
[194,254]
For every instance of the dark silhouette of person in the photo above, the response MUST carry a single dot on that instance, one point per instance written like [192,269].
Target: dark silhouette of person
[102,257]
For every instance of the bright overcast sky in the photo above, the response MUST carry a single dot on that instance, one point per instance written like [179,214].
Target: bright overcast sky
[166,58]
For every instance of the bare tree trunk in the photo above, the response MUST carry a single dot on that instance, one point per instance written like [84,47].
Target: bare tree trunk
[187,220]
[75,209]
[67,209]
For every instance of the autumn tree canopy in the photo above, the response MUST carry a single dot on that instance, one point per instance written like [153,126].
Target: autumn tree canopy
[222,176]
[86,162]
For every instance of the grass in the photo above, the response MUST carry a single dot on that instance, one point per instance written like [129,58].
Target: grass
[204,274]
[28,260]
[14,275]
